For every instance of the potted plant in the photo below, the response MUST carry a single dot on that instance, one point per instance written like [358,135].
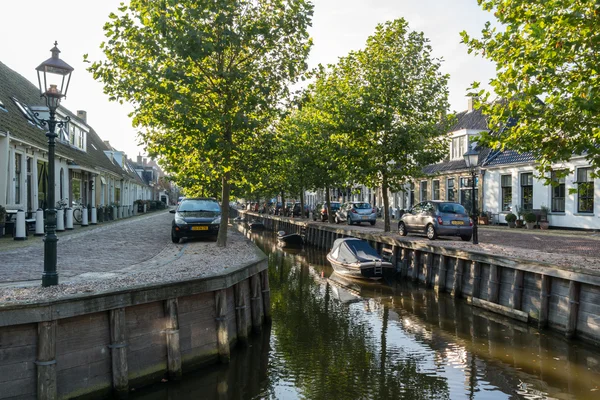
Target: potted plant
[483,218]
[2,219]
[530,220]
[519,221]
[544,223]
[510,219]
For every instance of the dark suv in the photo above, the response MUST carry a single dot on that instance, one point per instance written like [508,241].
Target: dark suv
[321,210]
[196,217]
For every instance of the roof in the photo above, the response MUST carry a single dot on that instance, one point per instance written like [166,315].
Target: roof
[456,165]
[509,157]
[470,120]
[14,85]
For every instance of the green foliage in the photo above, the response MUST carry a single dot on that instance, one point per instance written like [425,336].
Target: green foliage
[529,217]
[205,78]
[543,50]
[510,217]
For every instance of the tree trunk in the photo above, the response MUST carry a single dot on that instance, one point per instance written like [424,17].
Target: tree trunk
[282,210]
[222,238]
[329,216]
[302,203]
[386,204]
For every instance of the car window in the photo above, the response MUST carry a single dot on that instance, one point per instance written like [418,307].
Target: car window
[416,209]
[199,205]
[362,206]
[452,208]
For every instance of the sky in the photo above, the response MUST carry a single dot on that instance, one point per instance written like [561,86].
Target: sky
[338,27]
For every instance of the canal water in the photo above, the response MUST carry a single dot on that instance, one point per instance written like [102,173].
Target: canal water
[334,338]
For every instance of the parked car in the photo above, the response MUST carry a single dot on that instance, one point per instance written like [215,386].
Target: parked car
[437,218]
[196,217]
[276,209]
[320,211]
[296,210]
[179,199]
[356,212]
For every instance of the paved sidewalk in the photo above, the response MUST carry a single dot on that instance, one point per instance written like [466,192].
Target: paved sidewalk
[97,249]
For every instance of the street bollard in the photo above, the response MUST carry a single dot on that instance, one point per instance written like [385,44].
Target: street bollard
[20,232]
[130,210]
[69,219]
[115,213]
[60,220]
[144,208]
[39,222]
[94,216]
[84,217]
[120,211]
[135,209]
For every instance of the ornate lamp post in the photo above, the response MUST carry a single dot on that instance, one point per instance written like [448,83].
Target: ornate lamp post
[54,76]
[471,159]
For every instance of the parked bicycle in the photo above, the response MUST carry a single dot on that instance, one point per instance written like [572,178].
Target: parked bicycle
[77,211]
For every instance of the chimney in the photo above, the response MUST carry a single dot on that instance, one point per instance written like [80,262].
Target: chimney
[139,159]
[145,161]
[81,114]
[471,103]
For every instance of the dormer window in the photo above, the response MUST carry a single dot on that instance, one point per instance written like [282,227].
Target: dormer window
[458,147]
[64,132]
[2,106]
[27,113]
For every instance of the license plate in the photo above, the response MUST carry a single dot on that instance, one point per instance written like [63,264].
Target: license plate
[365,217]
[458,222]
[199,228]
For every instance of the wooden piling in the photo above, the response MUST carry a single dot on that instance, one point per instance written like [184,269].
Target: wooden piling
[572,308]
[256,299]
[517,289]
[172,334]
[222,331]
[429,270]
[476,274]
[544,301]
[494,284]
[266,294]
[241,321]
[46,361]
[458,274]
[440,282]
[118,349]
[416,261]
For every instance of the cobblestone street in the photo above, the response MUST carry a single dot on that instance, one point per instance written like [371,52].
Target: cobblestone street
[100,249]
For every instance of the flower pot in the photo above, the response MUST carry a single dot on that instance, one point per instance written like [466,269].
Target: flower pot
[530,225]
[482,220]
[512,224]
[544,225]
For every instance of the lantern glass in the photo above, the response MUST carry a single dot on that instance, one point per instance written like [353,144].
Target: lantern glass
[54,76]
[471,158]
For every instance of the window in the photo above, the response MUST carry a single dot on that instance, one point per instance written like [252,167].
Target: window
[435,190]
[458,147]
[412,194]
[423,190]
[506,184]
[585,190]
[466,195]
[17,178]
[2,106]
[64,132]
[527,191]
[26,113]
[558,192]
[450,189]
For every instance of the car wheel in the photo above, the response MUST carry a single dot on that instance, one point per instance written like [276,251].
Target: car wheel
[337,220]
[431,233]
[372,222]
[174,238]
[465,238]
[401,229]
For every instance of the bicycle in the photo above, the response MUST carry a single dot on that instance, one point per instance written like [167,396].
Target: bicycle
[77,212]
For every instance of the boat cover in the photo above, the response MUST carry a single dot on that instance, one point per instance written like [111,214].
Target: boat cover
[352,250]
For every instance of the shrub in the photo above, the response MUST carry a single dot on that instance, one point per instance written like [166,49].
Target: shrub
[530,217]
[510,217]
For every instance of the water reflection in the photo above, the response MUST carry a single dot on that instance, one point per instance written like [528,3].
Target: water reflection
[336,338]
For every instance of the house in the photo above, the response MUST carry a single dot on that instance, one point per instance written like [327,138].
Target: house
[83,171]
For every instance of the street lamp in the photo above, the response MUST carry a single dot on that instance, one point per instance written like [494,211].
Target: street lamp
[471,159]
[54,76]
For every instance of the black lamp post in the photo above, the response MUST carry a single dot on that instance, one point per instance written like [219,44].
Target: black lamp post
[471,159]
[54,76]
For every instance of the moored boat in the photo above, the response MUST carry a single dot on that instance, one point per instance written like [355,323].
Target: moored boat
[357,259]
[291,239]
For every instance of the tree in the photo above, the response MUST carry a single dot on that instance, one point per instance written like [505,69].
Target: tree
[205,78]
[397,122]
[546,55]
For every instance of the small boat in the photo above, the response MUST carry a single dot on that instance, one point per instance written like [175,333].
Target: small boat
[256,226]
[291,239]
[355,258]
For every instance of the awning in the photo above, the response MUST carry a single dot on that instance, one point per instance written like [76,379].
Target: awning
[103,180]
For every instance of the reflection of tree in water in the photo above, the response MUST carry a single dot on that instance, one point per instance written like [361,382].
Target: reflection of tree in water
[330,349]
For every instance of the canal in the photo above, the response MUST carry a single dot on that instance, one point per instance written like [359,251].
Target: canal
[334,338]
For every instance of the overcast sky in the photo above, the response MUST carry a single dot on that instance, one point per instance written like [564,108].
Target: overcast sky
[29,27]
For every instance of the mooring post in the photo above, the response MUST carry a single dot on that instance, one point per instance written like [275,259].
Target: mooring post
[429,270]
[118,350]
[458,274]
[241,322]
[440,283]
[476,274]
[544,301]
[416,262]
[572,308]
[517,289]
[172,334]
[494,283]
[222,331]
[405,261]
[46,360]
[256,307]
[266,294]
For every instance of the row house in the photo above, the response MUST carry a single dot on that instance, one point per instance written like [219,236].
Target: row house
[84,173]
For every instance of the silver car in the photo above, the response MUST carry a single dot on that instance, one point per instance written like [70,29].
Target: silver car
[437,218]
[356,212]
